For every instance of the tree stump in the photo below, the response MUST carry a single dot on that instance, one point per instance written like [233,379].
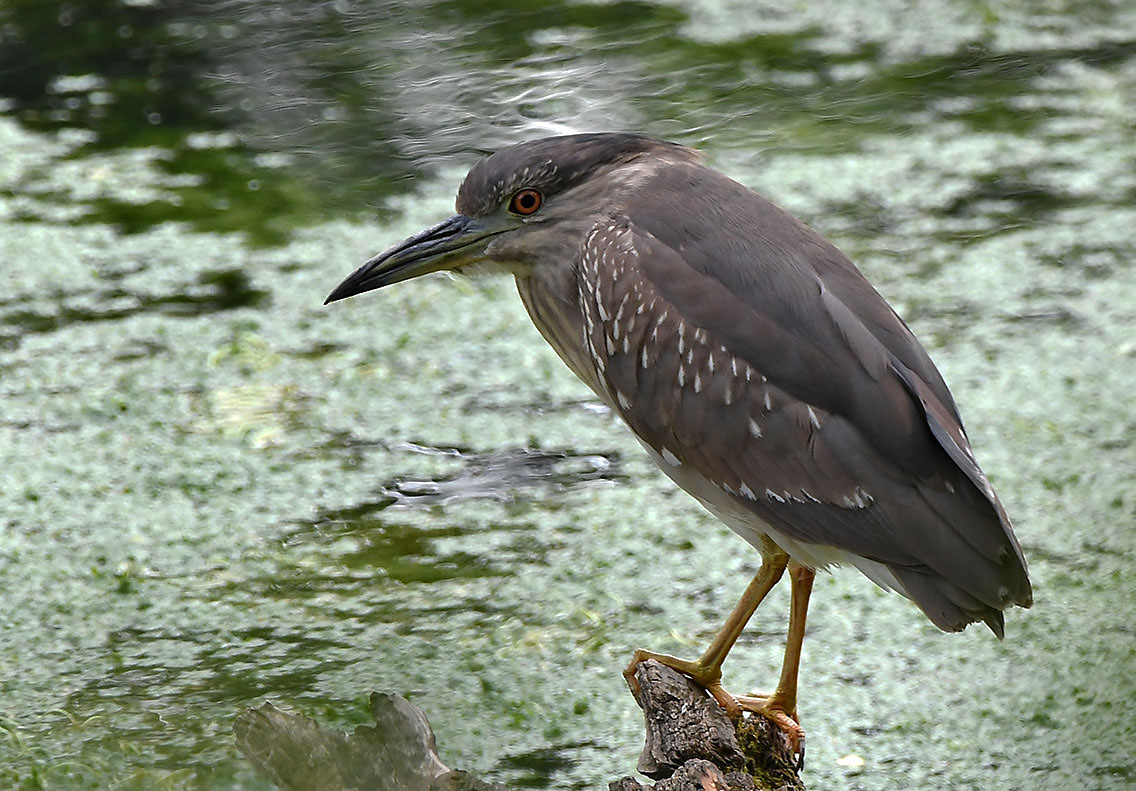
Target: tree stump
[692,744]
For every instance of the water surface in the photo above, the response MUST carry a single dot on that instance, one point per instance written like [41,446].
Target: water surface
[217,491]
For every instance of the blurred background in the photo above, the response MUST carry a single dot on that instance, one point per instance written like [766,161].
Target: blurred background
[215,492]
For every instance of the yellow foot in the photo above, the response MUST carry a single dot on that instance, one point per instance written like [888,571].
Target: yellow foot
[709,678]
[772,709]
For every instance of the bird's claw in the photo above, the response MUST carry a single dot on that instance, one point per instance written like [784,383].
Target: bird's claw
[786,722]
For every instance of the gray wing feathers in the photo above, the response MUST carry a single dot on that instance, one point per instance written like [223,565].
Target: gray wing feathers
[828,435]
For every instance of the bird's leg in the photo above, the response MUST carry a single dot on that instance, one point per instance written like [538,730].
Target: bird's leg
[781,706]
[706,671]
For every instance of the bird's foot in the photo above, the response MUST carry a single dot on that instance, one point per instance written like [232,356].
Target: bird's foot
[706,676]
[773,709]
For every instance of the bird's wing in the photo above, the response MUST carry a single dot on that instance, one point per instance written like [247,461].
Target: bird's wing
[783,398]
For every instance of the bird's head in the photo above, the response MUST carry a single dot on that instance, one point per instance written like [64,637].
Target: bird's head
[524,206]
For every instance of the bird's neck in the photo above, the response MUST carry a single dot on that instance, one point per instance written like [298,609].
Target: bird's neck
[549,295]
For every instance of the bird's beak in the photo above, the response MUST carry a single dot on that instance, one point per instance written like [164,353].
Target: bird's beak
[455,243]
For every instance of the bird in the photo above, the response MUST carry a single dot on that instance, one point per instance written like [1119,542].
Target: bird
[755,364]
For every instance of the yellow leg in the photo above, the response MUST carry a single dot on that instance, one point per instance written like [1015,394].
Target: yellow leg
[781,706]
[707,669]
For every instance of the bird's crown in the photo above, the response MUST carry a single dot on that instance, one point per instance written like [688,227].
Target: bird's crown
[551,164]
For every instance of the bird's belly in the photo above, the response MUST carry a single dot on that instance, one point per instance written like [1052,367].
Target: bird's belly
[732,513]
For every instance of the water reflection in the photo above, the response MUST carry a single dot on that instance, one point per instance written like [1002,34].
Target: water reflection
[214,292]
[284,114]
[499,475]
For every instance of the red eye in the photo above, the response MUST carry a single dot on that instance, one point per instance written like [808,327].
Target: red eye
[526,202]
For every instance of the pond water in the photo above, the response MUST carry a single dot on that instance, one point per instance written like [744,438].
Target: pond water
[217,491]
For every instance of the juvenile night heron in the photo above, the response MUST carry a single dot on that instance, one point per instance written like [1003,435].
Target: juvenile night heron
[754,362]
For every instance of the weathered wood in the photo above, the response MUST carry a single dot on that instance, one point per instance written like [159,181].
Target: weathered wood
[397,754]
[682,722]
[697,774]
[691,745]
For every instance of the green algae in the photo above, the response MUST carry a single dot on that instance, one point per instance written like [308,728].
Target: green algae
[200,463]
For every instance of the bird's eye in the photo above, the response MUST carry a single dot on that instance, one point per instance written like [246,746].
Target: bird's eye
[526,202]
